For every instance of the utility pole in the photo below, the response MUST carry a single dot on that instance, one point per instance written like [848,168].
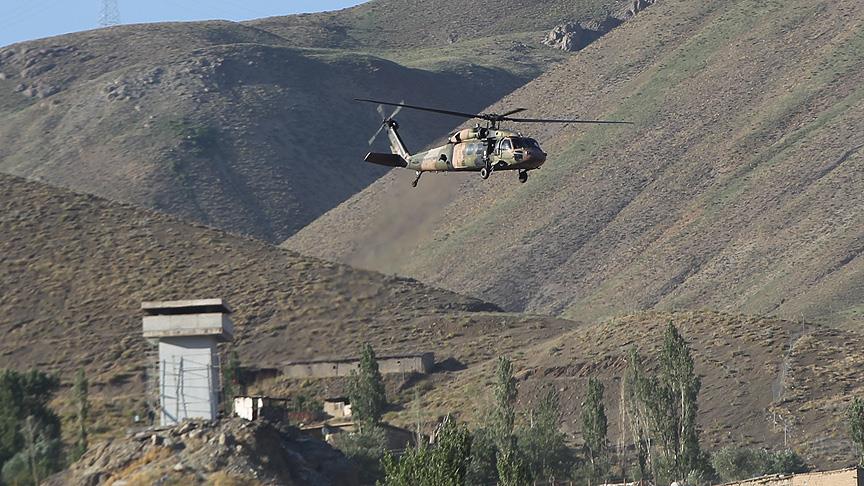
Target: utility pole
[110,13]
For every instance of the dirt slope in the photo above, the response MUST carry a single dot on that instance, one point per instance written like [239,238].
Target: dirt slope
[739,188]
[251,126]
[215,122]
[755,372]
[76,268]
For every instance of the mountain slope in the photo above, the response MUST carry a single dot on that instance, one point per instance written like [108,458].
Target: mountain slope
[77,267]
[740,187]
[251,126]
[215,122]
[757,373]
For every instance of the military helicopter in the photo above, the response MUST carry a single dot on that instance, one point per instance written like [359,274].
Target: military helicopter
[483,149]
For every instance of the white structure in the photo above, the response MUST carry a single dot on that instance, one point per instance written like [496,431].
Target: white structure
[339,407]
[188,332]
[254,408]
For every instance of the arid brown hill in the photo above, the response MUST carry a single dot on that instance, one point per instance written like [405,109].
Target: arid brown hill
[757,375]
[740,188]
[251,127]
[76,268]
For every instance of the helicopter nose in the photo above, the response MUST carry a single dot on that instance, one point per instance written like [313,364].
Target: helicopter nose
[539,156]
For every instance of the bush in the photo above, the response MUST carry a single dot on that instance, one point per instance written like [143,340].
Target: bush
[48,460]
[443,464]
[364,449]
[786,462]
[736,463]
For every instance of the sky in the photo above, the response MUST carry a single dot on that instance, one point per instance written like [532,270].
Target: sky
[22,20]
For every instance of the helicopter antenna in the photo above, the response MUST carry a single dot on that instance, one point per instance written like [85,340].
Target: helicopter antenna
[494,119]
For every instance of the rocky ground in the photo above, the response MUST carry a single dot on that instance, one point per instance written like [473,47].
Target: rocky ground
[231,451]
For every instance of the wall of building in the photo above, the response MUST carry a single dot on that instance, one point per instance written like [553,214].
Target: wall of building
[841,477]
[188,378]
[340,368]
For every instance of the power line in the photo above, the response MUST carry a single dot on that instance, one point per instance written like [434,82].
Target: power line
[110,13]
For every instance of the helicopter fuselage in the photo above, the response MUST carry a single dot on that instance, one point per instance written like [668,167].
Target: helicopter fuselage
[470,149]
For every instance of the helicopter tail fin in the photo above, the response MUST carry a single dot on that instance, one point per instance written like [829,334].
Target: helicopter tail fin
[397,146]
[390,160]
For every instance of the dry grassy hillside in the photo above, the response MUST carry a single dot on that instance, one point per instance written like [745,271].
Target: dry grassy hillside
[754,371]
[251,126]
[76,268]
[740,188]
[216,122]
[400,24]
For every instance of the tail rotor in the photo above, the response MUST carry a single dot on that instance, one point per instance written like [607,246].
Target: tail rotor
[384,120]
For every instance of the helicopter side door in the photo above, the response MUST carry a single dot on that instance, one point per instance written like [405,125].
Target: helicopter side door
[468,155]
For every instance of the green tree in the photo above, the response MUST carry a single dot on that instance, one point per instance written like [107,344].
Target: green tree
[504,413]
[230,382]
[443,464]
[366,390]
[511,466]
[669,408]
[22,395]
[594,429]
[736,463]
[482,467]
[633,413]
[786,462]
[82,414]
[40,456]
[542,442]
[365,449]
[855,424]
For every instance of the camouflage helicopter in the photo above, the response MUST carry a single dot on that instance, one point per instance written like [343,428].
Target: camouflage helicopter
[483,149]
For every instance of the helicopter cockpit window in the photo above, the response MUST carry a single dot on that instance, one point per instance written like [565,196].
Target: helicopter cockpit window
[505,144]
[530,143]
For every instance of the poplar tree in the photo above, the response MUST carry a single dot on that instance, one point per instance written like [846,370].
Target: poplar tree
[670,406]
[511,466]
[541,441]
[366,390]
[504,414]
[633,412]
[855,424]
[230,382]
[82,414]
[594,429]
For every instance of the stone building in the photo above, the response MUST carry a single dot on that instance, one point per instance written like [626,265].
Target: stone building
[422,363]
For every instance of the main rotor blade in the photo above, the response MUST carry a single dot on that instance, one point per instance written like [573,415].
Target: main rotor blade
[423,108]
[512,112]
[546,120]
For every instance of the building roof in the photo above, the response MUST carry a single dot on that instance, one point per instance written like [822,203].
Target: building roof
[192,306]
[351,360]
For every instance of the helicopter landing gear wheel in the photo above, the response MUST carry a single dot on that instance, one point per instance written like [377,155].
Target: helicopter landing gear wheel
[484,173]
[523,176]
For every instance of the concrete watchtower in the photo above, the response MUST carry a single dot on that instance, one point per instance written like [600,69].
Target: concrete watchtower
[188,332]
